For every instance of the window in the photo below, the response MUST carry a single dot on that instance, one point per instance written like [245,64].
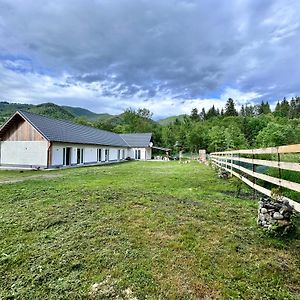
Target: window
[123,154]
[106,154]
[99,155]
[137,154]
[119,154]
[79,156]
[64,156]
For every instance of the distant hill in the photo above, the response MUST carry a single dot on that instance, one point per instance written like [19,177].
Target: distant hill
[51,110]
[69,113]
[82,112]
[169,120]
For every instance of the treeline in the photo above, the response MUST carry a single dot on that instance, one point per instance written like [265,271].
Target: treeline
[217,130]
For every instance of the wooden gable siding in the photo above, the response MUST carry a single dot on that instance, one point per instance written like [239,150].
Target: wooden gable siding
[22,131]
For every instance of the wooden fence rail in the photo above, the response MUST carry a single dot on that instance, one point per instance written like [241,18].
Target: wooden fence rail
[230,161]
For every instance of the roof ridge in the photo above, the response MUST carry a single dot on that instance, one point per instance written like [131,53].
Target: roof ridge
[65,121]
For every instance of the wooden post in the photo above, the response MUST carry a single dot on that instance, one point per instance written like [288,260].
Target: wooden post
[279,169]
[254,179]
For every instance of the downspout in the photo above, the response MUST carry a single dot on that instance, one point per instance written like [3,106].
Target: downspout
[49,155]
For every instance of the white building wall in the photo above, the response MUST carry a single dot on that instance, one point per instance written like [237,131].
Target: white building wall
[145,153]
[89,153]
[24,153]
[148,153]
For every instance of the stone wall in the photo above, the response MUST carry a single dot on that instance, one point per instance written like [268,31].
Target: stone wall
[275,215]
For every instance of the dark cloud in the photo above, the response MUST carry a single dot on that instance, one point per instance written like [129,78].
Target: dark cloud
[178,49]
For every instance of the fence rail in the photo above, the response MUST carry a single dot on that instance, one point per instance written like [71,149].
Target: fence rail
[230,161]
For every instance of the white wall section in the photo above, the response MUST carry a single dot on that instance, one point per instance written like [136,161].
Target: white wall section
[24,153]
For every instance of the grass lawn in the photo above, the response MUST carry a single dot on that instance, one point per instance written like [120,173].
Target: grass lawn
[138,230]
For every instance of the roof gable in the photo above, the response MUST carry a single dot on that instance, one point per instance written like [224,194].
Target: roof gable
[19,128]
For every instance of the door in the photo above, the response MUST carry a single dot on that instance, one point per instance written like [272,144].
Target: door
[68,156]
[78,156]
[106,155]
[137,154]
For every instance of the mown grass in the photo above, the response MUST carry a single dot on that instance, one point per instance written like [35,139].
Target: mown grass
[155,230]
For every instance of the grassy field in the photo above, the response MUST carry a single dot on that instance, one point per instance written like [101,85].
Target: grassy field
[138,230]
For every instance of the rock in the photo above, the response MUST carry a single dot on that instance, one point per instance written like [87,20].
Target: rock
[263,210]
[263,223]
[283,222]
[277,216]
[269,206]
[286,202]
[262,217]
[268,217]
[284,209]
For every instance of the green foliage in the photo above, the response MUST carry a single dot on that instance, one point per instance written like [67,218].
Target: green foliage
[276,135]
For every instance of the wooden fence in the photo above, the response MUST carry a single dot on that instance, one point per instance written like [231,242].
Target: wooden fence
[231,162]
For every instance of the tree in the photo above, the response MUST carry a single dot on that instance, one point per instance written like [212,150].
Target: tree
[242,112]
[282,108]
[234,138]
[203,114]
[212,112]
[275,135]
[230,108]
[217,141]
[194,115]
[293,109]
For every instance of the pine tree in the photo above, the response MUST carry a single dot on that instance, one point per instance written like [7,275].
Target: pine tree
[194,115]
[230,108]
[293,109]
[203,114]
[242,112]
[212,112]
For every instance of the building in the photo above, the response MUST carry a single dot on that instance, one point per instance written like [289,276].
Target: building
[34,141]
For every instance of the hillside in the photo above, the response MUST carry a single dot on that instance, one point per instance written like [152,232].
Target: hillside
[169,120]
[89,115]
[51,110]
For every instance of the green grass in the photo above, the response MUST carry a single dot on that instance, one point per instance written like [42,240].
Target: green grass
[152,230]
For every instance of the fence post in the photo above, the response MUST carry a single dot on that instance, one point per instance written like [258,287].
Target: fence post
[254,179]
[279,169]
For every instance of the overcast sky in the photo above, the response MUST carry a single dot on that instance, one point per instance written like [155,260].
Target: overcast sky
[165,55]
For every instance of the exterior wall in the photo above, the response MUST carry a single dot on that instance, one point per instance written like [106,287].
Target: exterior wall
[146,153]
[24,153]
[23,131]
[89,153]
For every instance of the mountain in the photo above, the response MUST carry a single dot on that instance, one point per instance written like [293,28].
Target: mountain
[82,112]
[69,113]
[169,120]
[51,110]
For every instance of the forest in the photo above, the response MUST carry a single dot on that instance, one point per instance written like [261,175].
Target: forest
[217,130]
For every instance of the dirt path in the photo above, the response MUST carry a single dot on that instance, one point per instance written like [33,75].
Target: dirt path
[33,177]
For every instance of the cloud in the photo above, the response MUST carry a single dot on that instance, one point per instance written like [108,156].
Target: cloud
[104,54]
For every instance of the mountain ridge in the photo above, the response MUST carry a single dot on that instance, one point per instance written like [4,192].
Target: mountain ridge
[65,112]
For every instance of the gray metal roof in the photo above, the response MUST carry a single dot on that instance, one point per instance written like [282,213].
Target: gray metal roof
[137,139]
[68,132]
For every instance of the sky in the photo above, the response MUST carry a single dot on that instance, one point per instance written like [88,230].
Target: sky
[165,55]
